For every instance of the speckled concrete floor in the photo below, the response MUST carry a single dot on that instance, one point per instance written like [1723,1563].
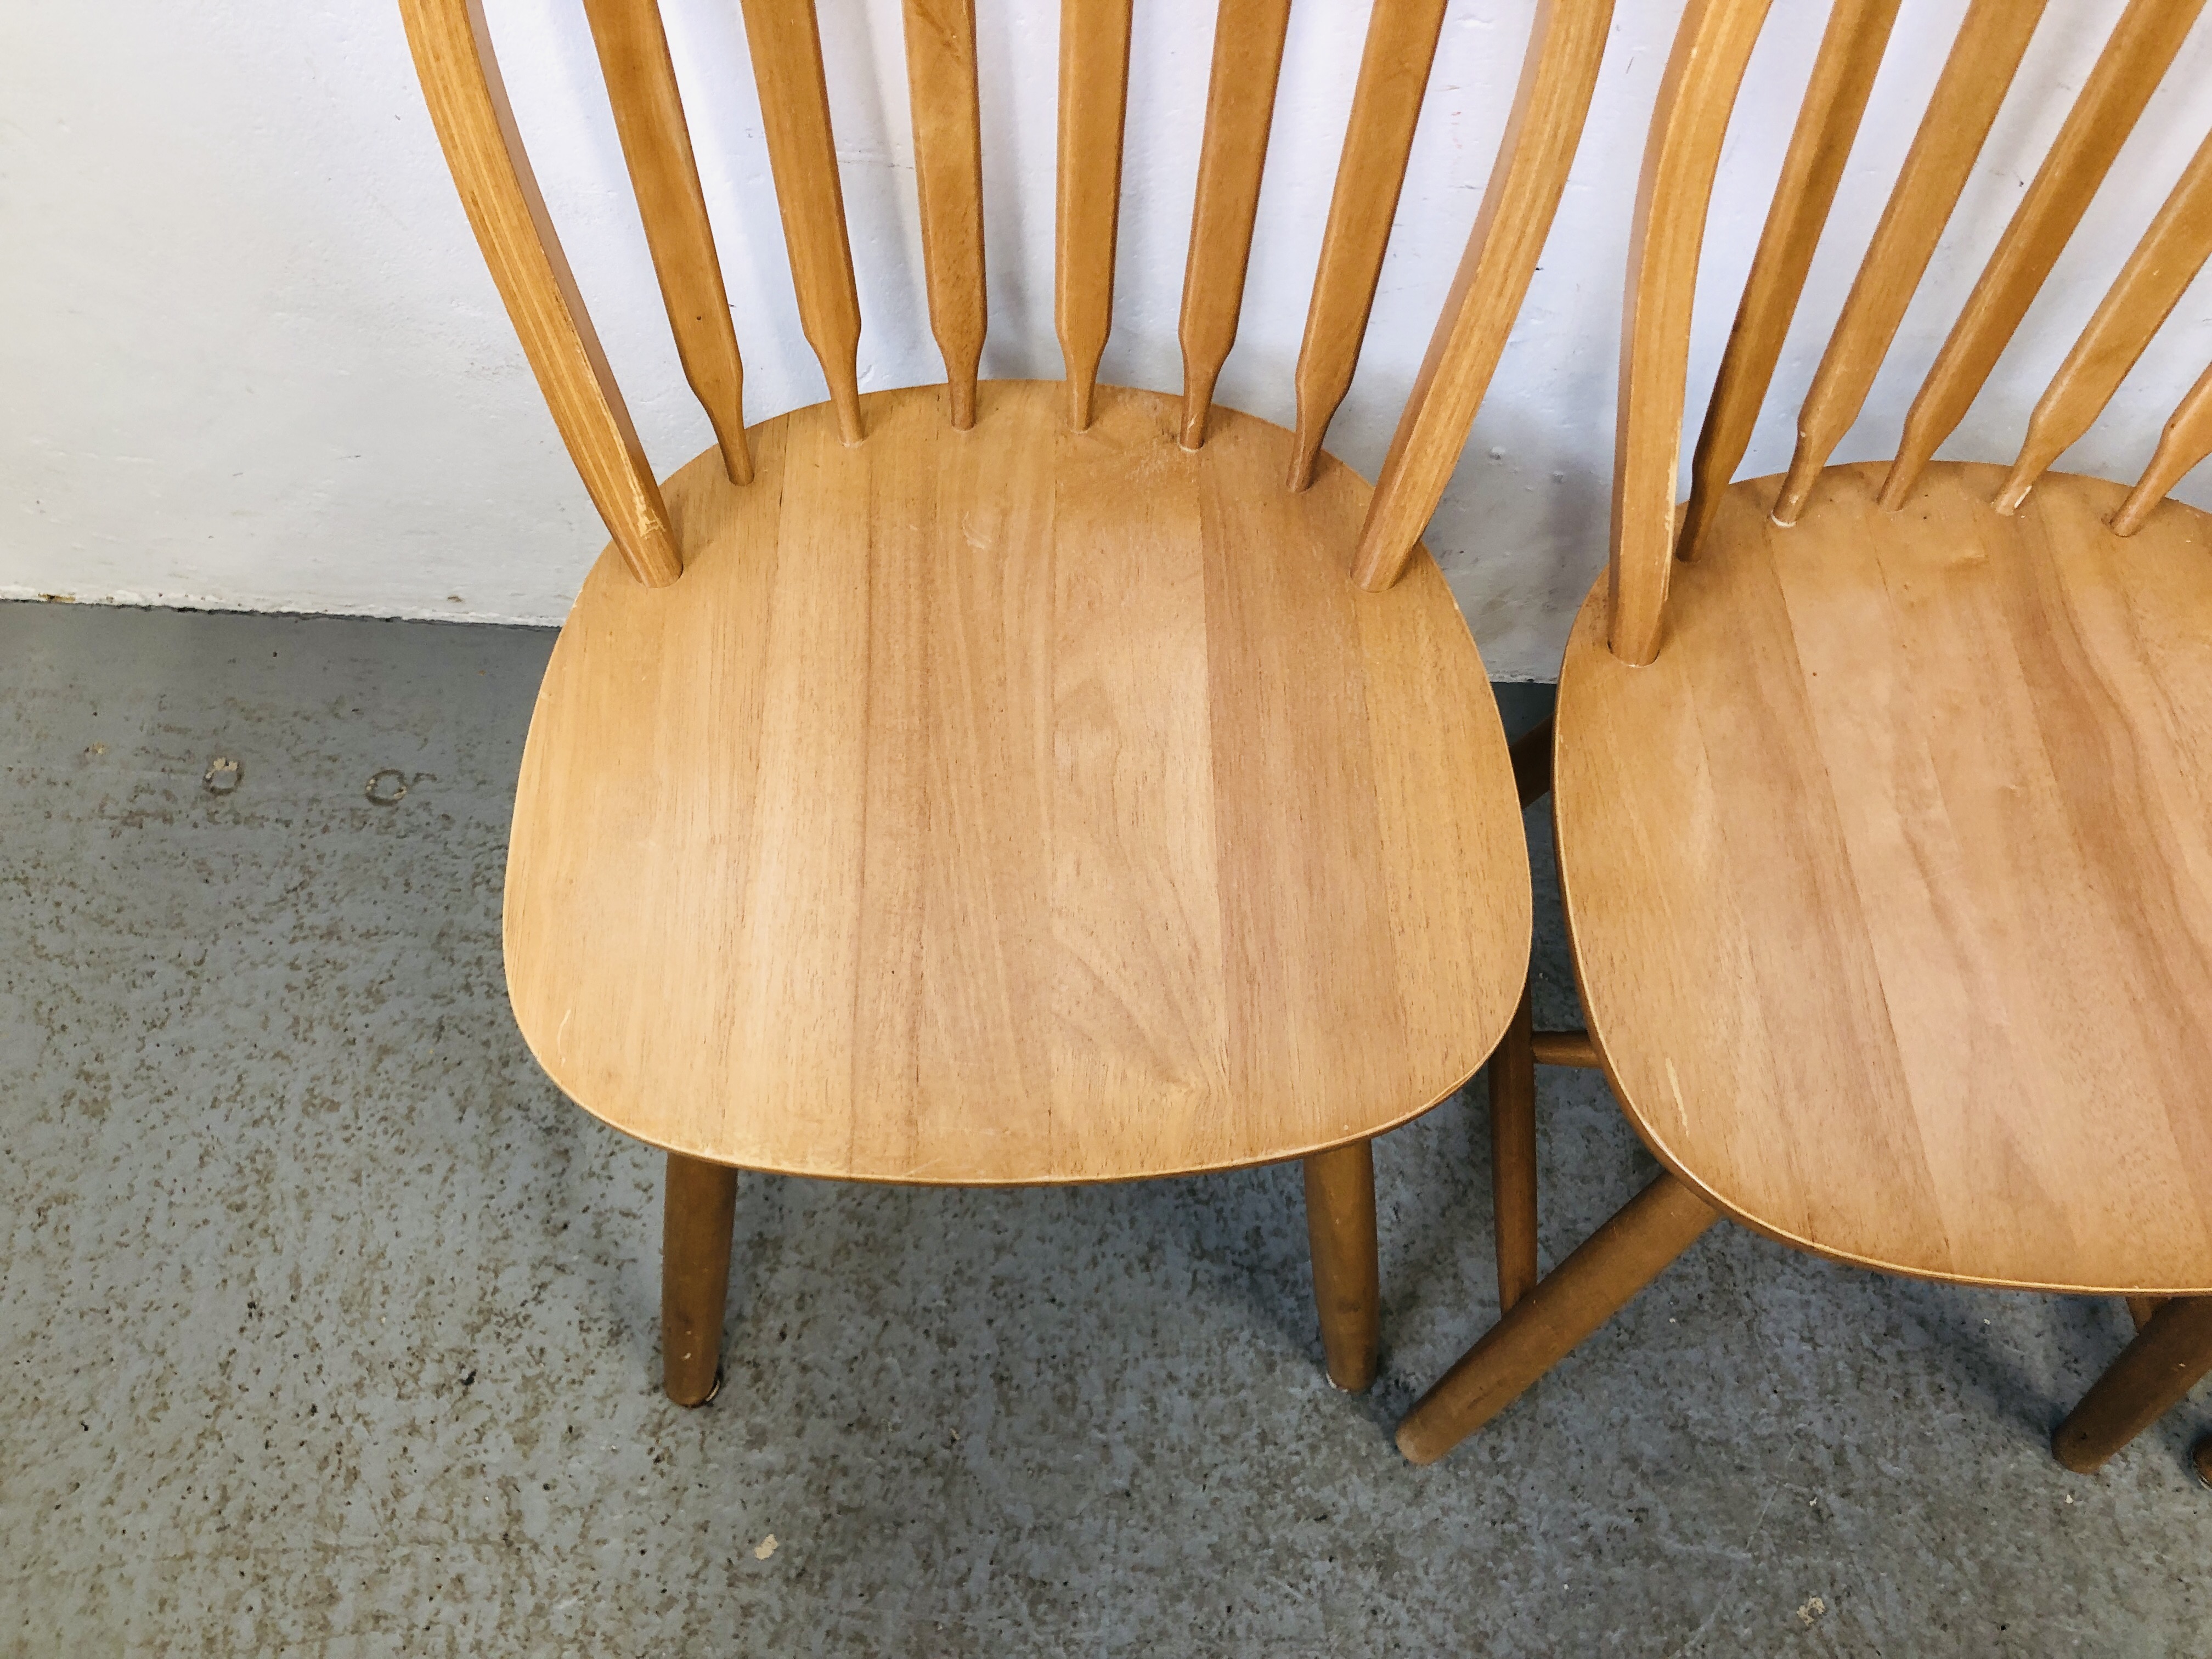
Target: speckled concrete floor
[328,1325]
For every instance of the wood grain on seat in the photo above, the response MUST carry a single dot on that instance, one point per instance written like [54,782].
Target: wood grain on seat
[1890,880]
[1015,804]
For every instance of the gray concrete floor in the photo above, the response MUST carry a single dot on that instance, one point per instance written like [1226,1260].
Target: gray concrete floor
[328,1325]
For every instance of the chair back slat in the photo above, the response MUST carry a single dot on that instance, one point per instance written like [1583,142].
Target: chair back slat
[468,106]
[2171,252]
[1094,96]
[1566,43]
[1828,123]
[1240,106]
[1386,104]
[2134,60]
[2186,440]
[948,170]
[640,80]
[786,44]
[1704,74]
[1985,57]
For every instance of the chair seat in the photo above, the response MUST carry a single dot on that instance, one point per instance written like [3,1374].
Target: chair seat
[1015,804]
[1890,883]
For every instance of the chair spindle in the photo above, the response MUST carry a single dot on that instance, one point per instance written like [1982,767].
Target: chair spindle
[1565,44]
[948,168]
[1696,98]
[1240,106]
[2134,60]
[786,42]
[2173,251]
[1386,105]
[1094,95]
[1985,57]
[2186,440]
[461,84]
[640,82]
[1828,123]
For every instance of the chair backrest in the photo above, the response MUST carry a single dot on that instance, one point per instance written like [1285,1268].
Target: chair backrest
[1698,92]
[460,81]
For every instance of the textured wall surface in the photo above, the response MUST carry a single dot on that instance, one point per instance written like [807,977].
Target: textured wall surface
[252,359]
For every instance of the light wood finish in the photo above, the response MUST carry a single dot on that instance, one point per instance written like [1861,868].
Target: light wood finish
[1094,95]
[2141,1308]
[2134,60]
[699,1209]
[1985,55]
[948,169]
[1386,105]
[1512,1075]
[1566,1049]
[802,152]
[1827,121]
[1699,91]
[1240,106]
[1532,762]
[1817,857]
[640,82]
[460,75]
[1014,805]
[2149,286]
[1579,1295]
[2167,1359]
[2186,440]
[1347,1282]
[1557,75]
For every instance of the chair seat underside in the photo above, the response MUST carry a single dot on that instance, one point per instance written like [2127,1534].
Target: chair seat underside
[1890,882]
[1014,805]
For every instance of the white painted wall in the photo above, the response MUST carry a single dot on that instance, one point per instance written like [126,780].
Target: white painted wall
[250,357]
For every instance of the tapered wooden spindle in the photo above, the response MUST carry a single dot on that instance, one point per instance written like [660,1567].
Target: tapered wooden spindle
[1393,75]
[2142,43]
[1828,123]
[2186,440]
[1711,48]
[2148,288]
[802,153]
[1983,58]
[640,79]
[1094,95]
[1557,75]
[468,105]
[948,171]
[1240,106]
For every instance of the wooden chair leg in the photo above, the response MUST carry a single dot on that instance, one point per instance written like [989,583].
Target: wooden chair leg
[2141,1308]
[1513,1156]
[1583,1291]
[1347,1283]
[698,1212]
[2167,1359]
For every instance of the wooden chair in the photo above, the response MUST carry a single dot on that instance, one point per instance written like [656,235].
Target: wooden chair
[1883,795]
[1021,783]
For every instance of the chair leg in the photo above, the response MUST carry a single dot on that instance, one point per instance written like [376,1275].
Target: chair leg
[1583,1291]
[2166,1360]
[2141,1308]
[699,1210]
[1347,1283]
[1513,1156]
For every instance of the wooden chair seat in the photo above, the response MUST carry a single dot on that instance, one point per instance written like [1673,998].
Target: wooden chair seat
[1890,880]
[1013,805]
